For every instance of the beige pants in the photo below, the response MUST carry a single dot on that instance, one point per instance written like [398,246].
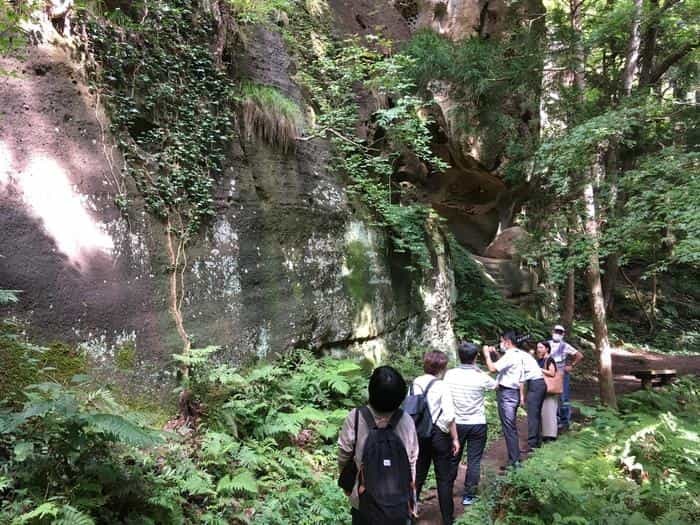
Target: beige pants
[549,415]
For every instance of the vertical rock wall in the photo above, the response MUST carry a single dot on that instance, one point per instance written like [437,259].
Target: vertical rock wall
[288,261]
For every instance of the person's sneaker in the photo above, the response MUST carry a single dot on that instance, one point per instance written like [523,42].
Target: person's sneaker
[468,500]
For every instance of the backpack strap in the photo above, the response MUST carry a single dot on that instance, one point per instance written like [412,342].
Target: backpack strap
[354,445]
[367,416]
[395,418]
[427,388]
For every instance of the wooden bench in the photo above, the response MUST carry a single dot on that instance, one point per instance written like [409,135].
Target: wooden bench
[655,377]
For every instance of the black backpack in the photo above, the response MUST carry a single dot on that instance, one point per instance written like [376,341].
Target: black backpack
[416,406]
[385,475]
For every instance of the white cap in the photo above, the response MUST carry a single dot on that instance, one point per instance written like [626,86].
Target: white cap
[558,328]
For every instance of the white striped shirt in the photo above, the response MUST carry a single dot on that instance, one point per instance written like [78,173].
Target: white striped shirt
[467,383]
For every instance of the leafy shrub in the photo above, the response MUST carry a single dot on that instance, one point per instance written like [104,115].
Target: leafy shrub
[264,451]
[636,467]
[62,458]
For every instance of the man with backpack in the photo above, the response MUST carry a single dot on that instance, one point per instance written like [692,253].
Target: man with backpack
[561,351]
[468,384]
[378,450]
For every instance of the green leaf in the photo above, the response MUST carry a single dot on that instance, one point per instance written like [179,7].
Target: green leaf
[243,482]
[45,510]
[122,429]
[22,450]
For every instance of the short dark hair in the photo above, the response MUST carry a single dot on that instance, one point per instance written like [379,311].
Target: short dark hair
[434,362]
[387,389]
[467,352]
[510,335]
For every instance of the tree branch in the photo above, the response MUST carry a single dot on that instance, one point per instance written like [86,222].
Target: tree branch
[664,66]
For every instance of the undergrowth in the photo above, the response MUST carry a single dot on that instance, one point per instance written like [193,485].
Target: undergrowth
[263,452]
[639,466]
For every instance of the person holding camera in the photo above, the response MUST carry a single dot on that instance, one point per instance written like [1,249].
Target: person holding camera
[510,392]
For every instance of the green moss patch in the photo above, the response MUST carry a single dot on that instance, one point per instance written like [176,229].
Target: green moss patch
[358,280]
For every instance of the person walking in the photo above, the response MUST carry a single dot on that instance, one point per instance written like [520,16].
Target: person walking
[443,443]
[550,405]
[467,385]
[560,352]
[536,390]
[509,393]
[387,390]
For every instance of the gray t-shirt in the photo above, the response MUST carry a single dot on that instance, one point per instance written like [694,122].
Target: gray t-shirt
[561,351]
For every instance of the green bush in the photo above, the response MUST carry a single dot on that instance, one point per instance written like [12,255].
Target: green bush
[264,451]
[639,466]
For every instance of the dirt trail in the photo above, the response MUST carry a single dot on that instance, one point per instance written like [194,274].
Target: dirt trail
[584,390]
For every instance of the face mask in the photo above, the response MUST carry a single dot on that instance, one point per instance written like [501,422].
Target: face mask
[502,347]
[557,337]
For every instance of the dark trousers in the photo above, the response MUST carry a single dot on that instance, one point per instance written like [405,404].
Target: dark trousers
[508,402]
[438,450]
[564,415]
[475,438]
[359,519]
[536,392]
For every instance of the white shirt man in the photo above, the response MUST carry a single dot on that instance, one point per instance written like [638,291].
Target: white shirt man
[468,384]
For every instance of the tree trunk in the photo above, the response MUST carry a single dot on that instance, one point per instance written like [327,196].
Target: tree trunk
[612,268]
[632,57]
[648,52]
[614,206]
[595,288]
[567,318]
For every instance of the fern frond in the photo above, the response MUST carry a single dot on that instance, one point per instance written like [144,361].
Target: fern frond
[72,516]
[197,483]
[45,510]
[122,429]
[8,296]
[243,482]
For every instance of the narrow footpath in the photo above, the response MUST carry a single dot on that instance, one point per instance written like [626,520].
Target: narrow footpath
[585,390]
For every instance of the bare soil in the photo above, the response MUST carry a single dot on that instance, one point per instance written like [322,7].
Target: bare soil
[585,390]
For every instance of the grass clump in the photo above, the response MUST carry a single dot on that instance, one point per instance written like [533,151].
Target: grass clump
[270,116]
[257,11]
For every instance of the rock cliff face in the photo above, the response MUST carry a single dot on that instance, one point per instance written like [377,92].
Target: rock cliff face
[289,259]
